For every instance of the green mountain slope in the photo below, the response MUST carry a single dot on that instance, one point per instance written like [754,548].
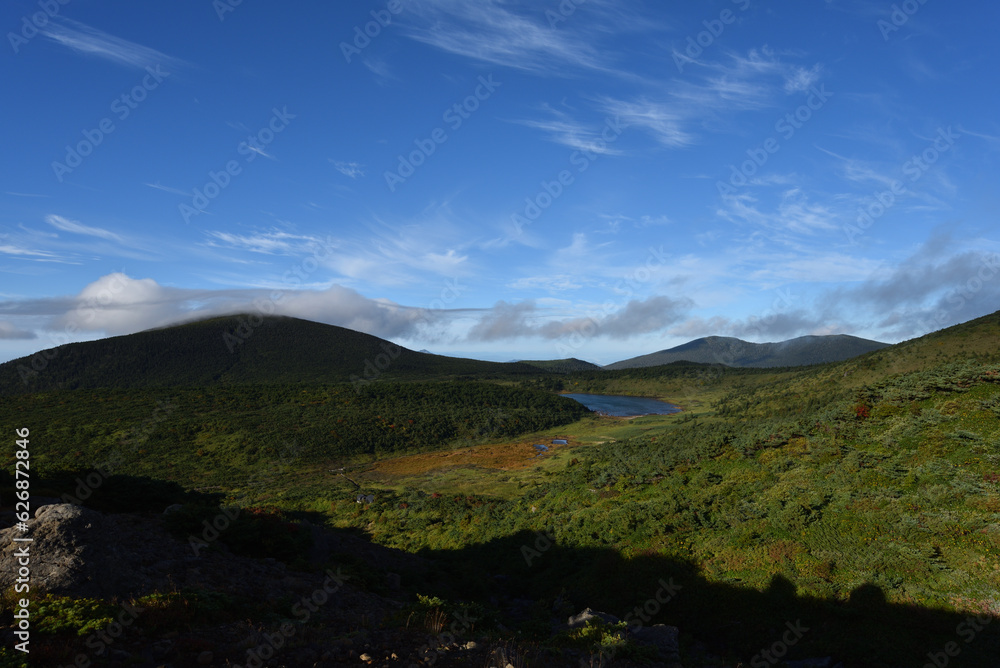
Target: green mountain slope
[802,351]
[563,366]
[234,350]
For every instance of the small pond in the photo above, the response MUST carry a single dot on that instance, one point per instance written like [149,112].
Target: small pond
[624,406]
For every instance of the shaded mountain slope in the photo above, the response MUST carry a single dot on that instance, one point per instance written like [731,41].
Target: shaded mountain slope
[230,350]
[802,351]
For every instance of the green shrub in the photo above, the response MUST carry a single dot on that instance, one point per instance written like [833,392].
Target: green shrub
[82,616]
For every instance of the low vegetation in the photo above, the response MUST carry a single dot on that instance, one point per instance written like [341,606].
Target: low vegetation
[861,498]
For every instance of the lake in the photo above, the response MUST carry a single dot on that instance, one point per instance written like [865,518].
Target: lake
[624,406]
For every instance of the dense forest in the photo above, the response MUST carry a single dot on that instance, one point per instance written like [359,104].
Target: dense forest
[215,435]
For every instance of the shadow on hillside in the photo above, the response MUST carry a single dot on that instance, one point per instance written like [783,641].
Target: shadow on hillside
[728,620]
[536,582]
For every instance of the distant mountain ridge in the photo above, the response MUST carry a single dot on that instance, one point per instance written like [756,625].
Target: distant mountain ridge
[563,366]
[801,351]
[234,350]
[243,349]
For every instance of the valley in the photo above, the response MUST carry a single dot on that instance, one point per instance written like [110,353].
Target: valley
[859,498]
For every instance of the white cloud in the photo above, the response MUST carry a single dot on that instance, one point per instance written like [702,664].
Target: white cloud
[168,189]
[350,169]
[525,320]
[800,79]
[492,31]
[662,120]
[90,41]
[268,243]
[75,227]
[575,134]
[10,332]
[8,249]
[118,304]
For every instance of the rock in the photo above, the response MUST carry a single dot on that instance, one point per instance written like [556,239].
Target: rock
[365,657]
[588,615]
[471,645]
[662,637]
[205,658]
[82,555]
[392,581]
[173,508]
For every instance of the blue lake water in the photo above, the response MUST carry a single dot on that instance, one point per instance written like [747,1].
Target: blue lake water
[624,406]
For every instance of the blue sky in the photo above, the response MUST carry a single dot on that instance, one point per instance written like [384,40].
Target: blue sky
[500,179]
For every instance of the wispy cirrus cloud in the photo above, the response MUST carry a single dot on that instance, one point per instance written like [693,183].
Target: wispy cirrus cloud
[267,243]
[801,79]
[75,227]
[794,212]
[676,112]
[8,249]
[168,189]
[563,129]
[349,169]
[662,120]
[90,41]
[494,31]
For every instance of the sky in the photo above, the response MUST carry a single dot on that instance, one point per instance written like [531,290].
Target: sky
[500,179]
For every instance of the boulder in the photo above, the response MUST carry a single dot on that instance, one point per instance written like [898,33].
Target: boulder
[662,637]
[580,620]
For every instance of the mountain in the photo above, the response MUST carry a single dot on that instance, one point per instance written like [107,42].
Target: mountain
[730,351]
[563,366]
[234,350]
